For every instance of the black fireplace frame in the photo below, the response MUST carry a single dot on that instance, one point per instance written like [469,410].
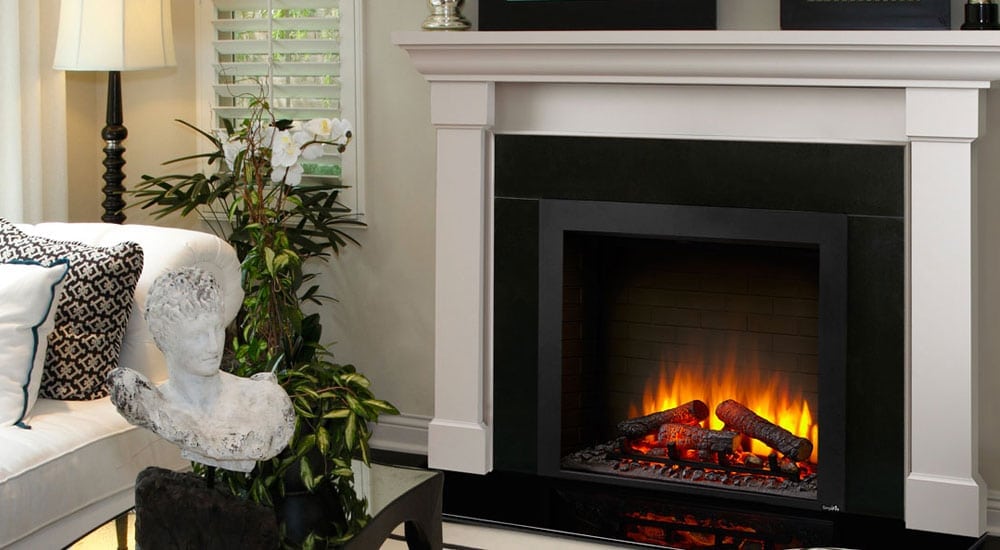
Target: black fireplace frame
[864,182]
[826,232]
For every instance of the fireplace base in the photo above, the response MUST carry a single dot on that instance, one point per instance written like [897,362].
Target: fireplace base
[617,515]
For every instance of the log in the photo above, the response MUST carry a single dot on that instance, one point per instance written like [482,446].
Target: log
[695,438]
[742,419]
[691,412]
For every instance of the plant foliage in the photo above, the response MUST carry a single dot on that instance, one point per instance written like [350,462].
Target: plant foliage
[253,195]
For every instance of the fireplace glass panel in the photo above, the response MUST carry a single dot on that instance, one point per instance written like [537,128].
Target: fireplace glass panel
[652,324]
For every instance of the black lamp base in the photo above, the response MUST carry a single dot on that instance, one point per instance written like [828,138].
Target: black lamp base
[114,133]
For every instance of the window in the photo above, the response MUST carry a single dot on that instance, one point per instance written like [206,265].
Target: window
[305,52]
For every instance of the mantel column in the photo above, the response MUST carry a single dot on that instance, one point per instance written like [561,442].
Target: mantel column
[460,436]
[944,492]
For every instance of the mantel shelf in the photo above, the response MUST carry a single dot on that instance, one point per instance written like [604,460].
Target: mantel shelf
[811,58]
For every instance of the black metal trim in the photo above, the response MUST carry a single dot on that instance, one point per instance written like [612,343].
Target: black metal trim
[826,231]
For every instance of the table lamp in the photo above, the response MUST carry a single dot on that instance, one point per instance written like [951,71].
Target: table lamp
[114,36]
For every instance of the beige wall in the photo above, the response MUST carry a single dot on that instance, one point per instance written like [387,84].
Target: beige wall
[384,320]
[384,323]
[151,102]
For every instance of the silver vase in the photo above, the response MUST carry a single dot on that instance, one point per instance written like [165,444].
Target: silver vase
[445,15]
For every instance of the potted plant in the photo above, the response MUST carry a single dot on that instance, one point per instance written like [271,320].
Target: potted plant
[253,195]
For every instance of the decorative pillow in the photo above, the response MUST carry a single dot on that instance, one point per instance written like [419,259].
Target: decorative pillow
[92,313]
[28,294]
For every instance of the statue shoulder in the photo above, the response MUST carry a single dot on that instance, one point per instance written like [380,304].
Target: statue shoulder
[133,395]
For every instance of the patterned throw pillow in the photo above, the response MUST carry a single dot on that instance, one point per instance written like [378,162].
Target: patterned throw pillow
[92,313]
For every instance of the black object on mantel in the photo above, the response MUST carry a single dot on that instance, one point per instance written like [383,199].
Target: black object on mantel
[981,15]
[177,510]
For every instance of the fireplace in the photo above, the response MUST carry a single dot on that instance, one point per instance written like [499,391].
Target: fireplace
[618,299]
[914,101]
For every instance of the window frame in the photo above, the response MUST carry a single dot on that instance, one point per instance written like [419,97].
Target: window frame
[351,90]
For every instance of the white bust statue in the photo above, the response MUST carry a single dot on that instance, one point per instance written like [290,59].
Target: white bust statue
[215,417]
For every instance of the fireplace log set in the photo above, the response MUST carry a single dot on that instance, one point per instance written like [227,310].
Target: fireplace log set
[689,413]
[674,431]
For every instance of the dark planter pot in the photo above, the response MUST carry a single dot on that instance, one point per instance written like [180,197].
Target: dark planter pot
[303,512]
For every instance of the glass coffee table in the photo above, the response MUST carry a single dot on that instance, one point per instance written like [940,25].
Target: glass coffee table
[395,495]
[400,495]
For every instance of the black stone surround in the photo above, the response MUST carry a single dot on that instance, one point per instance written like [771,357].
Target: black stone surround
[864,183]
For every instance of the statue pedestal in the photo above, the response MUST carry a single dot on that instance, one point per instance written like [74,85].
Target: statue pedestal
[178,510]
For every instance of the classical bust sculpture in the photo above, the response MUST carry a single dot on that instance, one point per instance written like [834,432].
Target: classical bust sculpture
[215,417]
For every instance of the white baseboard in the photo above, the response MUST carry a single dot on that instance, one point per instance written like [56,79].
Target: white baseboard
[404,433]
[993,512]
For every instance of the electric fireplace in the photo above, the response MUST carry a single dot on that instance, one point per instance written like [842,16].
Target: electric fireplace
[881,129]
[689,346]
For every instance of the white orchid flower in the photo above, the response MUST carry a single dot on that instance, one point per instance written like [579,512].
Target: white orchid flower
[290,175]
[284,149]
[231,148]
[321,127]
[312,150]
[339,130]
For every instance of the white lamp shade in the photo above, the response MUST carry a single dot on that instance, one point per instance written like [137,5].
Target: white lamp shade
[114,35]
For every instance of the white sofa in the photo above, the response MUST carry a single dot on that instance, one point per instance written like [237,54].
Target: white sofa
[75,468]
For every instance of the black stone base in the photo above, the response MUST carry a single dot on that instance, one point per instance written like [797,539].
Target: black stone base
[669,520]
[178,511]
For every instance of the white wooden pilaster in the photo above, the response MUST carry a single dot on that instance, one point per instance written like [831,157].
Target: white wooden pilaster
[460,437]
[943,404]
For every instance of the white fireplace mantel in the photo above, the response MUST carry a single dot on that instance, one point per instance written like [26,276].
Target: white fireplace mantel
[927,90]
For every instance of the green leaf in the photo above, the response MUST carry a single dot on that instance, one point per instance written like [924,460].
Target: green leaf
[269,260]
[350,431]
[381,405]
[306,474]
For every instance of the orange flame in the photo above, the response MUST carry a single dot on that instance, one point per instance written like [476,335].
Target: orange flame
[770,397]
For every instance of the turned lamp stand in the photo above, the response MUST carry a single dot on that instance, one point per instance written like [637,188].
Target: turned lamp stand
[114,133]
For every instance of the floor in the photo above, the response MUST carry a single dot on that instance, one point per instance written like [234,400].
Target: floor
[457,536]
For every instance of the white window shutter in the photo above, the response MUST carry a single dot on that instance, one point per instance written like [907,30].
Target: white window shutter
[304,51]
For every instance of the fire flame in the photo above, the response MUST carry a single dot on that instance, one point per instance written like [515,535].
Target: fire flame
[769,397]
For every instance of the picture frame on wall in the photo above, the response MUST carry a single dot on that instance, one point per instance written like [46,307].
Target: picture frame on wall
[551,15]
[865,15]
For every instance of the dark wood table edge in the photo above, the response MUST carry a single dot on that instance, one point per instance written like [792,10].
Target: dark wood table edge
[419,510]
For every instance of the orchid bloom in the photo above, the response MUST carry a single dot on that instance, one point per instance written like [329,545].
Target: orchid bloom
[284,150]
[321,127]
[339,131]
[290,175]
[231,146]
[310,151]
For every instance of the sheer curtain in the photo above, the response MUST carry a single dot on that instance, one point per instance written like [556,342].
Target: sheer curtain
[33,175]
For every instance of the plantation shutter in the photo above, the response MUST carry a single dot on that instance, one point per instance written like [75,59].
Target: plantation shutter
[294,48]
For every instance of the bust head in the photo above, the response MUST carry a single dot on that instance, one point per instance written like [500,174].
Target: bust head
[184,311]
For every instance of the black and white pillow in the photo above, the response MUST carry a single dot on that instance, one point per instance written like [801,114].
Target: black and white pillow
[92,313]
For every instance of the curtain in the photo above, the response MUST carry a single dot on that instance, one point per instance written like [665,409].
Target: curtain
[33,174]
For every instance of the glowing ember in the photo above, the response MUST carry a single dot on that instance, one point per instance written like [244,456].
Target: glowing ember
[770,397]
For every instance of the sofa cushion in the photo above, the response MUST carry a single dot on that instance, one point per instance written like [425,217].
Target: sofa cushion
[92,314]
[78,461]
[28,294]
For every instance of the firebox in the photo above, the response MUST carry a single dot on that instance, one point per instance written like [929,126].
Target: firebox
[701,348]
[707,320]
